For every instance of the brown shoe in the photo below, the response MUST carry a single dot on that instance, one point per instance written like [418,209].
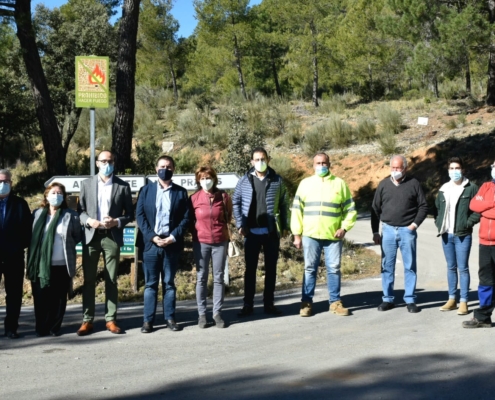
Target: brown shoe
[85,329]
[112,327]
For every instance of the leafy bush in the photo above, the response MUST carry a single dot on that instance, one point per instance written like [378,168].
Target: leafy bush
[285,167]
[335,104]
[280,118]
[451,124]
[387,142]
[147,154]
[186,161]
[390,120]
[366,130]
[315,140]
[190,124]
[339,133]
[461,118]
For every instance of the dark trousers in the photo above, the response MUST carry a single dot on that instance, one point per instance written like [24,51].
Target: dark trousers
[12,269]
[160,262]
[252,248]
[50,302]
[486,286]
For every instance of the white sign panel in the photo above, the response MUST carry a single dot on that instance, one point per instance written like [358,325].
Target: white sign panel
[73,183]
[422,121]
[188,181]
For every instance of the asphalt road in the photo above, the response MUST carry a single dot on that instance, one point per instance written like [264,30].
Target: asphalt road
[368,355]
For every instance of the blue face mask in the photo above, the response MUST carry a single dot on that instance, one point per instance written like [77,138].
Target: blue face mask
[165,174]
[321,170]
[55,199]
[4,189]
[455,175]
[106,169]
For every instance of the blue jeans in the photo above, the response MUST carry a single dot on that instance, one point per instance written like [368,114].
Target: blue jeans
[394,238]
[160,261]
[457,250]
[312,253]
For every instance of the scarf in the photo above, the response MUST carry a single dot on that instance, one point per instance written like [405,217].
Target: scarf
[41,248]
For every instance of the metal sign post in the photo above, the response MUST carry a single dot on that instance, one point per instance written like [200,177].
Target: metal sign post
[92,91]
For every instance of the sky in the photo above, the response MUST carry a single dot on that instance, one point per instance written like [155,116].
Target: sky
[183,12]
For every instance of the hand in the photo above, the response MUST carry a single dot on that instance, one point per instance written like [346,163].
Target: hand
[93,223]
[109,222]
[158,241]
[340,233]
[242,232]
[377,238]
[167,241]
[297,242]
[412,227]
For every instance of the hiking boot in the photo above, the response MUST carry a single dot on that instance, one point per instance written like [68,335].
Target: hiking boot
[449,306]
[202,321]
[271,309]
[219,322]
[246,311]
[463,308]
[474,323]
[338,308]
[306,309]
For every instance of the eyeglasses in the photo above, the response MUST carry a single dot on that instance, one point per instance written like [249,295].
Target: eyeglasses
[105,161]
[5,181]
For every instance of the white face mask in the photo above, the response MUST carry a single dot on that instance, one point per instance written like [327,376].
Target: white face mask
[260,166]
[206,184]
[396,175]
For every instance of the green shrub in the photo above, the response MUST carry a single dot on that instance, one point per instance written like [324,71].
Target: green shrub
[147,153]
[461,118]
[186,161]
[315,140]
[285,167]
[451,124]
[280,118]
[191,124]
[366,130]
[387,142]
[336,104]
[390,120]
[339,133]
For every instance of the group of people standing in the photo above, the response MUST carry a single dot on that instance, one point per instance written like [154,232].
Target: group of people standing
[321,214]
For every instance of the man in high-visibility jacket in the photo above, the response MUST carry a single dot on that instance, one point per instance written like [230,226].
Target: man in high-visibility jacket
[322,212]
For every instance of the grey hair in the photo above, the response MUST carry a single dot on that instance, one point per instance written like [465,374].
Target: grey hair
[322,154]
[404,159]
[6,172]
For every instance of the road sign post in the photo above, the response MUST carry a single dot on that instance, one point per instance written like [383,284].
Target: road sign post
[92,91]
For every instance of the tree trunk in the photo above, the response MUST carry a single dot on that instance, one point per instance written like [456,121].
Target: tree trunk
[314,46]
[72,125]
[490,87]
[468,76]
[174,79]
[435,86]
[237,55]
[123,124]
[370,74]
[275,74]
[50,134]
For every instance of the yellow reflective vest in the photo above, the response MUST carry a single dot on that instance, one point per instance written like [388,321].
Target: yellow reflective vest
[321,206]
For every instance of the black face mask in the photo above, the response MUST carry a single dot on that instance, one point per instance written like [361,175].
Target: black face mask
[165,174]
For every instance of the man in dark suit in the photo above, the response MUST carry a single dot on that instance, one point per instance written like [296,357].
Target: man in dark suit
[105,206]
[162,214]
[15,236]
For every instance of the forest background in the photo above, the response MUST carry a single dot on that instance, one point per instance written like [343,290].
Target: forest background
[349,77]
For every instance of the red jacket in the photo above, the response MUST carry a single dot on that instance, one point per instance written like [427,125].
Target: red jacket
[484,203]
[208,217]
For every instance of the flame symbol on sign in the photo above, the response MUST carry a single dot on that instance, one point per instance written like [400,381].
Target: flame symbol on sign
[97,76]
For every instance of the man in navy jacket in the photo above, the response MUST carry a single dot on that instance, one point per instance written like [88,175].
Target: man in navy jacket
[162,214]
[15,236]
[261,212]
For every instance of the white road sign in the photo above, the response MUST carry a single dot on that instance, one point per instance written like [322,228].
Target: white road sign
[188,181]
[73,183]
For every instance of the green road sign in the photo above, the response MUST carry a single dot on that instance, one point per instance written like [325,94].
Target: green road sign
[92,78]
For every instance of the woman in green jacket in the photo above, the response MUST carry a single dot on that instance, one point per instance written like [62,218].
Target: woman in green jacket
[455,223]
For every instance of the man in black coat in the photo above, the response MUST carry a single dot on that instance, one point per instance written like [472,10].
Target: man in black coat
[15,236]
